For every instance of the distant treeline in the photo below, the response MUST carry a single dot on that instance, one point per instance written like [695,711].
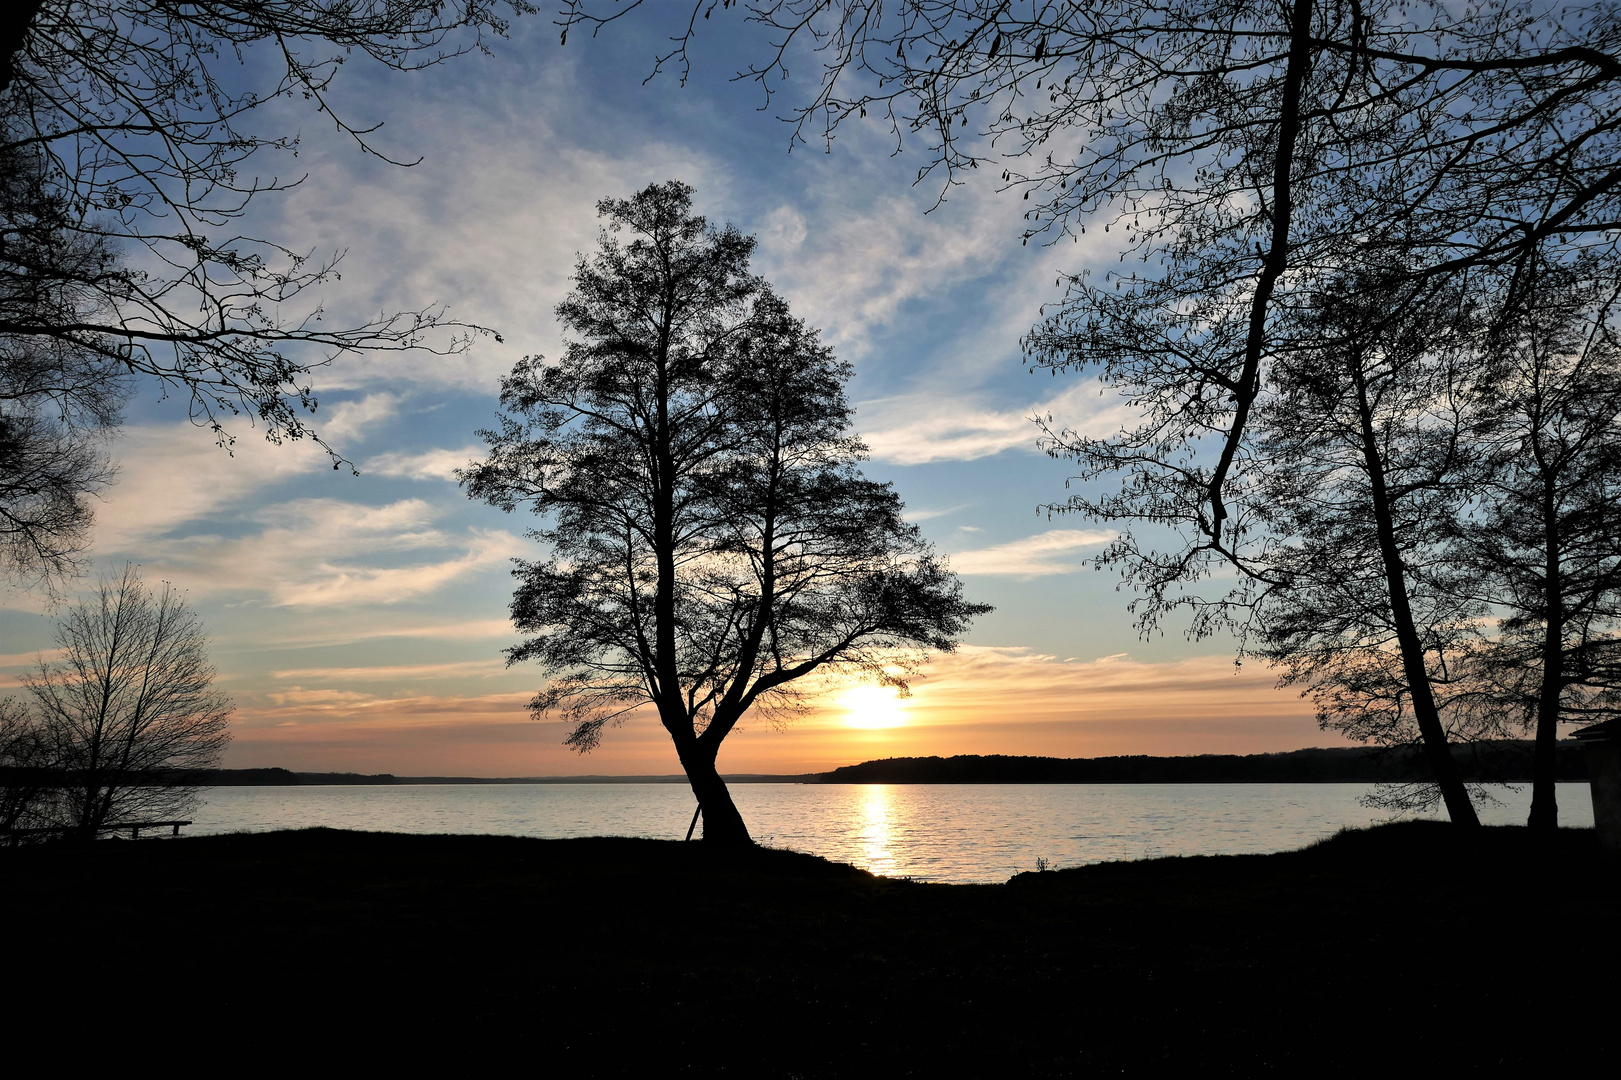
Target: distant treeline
[17,777]
[1508,760]
[287,778]
[282,777]
[277,778]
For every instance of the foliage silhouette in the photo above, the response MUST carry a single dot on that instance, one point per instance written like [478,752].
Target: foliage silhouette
[58,399]
[126,155]
[1240,151]
[713,541]
[1362,456]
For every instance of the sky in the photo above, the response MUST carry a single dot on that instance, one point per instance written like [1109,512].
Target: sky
[358,621]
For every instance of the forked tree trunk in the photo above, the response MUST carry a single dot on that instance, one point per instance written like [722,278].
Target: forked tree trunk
[722,823]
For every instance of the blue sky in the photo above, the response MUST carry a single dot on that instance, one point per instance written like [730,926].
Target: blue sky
[358,621]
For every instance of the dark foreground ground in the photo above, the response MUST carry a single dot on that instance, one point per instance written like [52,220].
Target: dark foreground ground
[1398,949]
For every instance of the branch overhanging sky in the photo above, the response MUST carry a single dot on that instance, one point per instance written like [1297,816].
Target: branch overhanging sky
[359,621]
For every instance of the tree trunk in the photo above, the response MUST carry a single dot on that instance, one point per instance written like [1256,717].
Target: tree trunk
[722,823]
[83,817]
[1433,735]
[1544,799]
[1276,261]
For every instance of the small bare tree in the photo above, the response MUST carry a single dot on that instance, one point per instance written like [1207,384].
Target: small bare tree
[131,696]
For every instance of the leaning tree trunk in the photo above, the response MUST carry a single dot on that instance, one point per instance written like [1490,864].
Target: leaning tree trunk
[722,823]
[1433,735]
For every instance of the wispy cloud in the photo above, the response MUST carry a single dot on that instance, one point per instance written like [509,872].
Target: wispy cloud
[28,659]
[331,553]
[879,253]
[494,244]
[1051,552]
[335,585]
[312,706]
[917,429]
[980,699]
[396,672]
[428,465]
[369,630]
[929,513]
[173,474]
[981,684]
[862,265]
[351,421]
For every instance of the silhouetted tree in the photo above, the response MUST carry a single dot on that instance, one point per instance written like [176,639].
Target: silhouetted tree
[127,158]
[130,695]
[1366,442]
[712,538]
[1542,539]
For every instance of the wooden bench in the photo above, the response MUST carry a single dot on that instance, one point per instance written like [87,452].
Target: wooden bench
[134,828]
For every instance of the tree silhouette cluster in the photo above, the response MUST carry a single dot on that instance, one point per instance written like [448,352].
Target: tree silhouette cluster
[1332,219]
[712,540]
[129,155]
[1440,549]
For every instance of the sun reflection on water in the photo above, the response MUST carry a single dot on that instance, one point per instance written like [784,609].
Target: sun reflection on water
[877,834]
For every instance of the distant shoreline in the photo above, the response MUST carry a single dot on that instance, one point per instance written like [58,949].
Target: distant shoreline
[1501,761]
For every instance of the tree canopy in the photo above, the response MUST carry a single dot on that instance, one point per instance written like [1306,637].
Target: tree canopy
[711,538]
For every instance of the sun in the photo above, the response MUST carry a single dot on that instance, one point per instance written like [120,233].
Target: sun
[872,707]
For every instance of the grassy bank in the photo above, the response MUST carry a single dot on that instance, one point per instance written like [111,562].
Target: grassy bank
[1395,947]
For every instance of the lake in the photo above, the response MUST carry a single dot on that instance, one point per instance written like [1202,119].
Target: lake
[931,832]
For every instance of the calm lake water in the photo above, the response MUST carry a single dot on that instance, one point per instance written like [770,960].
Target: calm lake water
[932,832]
